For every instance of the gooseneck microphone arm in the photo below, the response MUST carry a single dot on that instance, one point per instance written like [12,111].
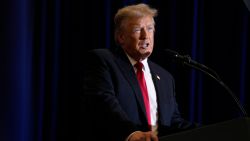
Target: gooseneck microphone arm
[186,60]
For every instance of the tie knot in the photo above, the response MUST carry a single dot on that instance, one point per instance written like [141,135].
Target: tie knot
[139,66]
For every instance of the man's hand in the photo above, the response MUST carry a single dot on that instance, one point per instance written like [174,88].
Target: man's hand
[143,136]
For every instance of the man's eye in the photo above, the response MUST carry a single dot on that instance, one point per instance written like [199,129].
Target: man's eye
[150,29]
[136,30]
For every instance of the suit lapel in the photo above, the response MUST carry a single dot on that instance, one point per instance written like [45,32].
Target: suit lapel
[156,78]
[129,73]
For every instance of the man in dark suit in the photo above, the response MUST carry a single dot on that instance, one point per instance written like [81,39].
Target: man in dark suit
[127,96]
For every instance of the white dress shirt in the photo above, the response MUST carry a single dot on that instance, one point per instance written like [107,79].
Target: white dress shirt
[151,91]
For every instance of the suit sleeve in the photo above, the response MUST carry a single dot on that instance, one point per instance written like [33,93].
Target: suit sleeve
[178,124]
[171,119]
[105,116]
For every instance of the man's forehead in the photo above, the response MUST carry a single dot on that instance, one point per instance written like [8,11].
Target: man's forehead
[139,21]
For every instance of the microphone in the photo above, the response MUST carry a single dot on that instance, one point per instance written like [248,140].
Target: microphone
[186,60]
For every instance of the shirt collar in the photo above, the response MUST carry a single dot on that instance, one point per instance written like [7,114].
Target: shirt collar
[144,62]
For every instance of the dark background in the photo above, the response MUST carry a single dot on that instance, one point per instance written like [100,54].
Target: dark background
[43,46]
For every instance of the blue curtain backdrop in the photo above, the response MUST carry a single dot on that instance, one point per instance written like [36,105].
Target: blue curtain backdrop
[42,49]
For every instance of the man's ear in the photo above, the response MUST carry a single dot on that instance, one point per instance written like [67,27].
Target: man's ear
[121,38]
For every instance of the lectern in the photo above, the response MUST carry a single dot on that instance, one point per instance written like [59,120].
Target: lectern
[232,130]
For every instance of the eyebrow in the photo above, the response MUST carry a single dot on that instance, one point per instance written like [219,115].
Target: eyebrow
[136,25]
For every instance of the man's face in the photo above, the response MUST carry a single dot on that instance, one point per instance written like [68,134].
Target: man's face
[137,37]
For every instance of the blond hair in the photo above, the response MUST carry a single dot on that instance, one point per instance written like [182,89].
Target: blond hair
[138,10]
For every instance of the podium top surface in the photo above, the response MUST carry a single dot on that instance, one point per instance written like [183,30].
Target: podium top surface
[232,130]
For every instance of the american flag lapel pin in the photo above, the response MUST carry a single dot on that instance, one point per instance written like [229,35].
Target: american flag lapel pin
[158,77]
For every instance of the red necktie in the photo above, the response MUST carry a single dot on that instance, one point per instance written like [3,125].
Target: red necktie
[143,86]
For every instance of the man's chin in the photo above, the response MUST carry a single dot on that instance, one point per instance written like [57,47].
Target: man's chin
[146,54]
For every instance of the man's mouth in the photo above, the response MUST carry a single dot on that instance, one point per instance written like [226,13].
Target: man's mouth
[146,45]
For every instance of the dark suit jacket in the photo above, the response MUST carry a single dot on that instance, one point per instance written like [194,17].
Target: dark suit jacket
[113,101]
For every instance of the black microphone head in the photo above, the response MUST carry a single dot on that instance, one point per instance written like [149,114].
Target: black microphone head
[172,53]
[177,57]
[170,56]
[165,57]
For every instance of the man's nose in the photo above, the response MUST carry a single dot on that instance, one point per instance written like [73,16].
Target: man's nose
[144,34]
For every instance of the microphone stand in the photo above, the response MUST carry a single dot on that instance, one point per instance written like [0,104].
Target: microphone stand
[208,71]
